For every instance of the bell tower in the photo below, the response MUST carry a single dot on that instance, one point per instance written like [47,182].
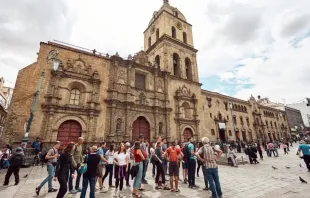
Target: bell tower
[168,42]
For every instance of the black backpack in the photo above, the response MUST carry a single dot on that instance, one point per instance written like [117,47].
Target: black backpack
[186,152]
[43,159]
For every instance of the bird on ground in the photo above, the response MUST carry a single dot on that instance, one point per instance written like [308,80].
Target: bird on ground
[300,165]
[26,176]
[302,180]
[274,167]
[287,167]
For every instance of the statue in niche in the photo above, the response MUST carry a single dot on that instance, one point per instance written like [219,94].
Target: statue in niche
[160,128]
[118,124]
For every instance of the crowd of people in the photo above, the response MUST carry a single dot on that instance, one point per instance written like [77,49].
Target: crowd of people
[125,162]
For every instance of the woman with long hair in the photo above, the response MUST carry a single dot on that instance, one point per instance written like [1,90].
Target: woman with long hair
[63,167]
[139,158]
[121,167]
[199,145]
[160,169]
[109,167]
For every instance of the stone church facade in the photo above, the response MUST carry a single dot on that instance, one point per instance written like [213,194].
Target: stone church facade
[155,92]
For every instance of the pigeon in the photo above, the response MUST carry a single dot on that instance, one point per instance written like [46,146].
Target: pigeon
[26,176]
[274,167]
[302,180]
[287,167]
[300,165]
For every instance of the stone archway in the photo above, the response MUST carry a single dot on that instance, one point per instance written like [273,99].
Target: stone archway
[141,127]
[69,130]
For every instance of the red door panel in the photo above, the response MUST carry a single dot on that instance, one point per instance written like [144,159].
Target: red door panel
[69,131]
[141,127]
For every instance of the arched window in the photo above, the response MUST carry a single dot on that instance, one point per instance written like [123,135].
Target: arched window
[188,68]
[173,32]
[245,109]
[176,14]
[176,65]
[150,41]
[157,34]
[184,37]
[187,110]
[75,97]
[157,61]
[239,108]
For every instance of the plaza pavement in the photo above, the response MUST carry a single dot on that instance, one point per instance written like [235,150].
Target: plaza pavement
[246,181]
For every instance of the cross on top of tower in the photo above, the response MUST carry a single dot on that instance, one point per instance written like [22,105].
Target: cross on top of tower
[166,1]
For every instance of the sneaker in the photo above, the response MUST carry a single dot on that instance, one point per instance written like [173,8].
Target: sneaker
[38,190]
[5,184]
[79,189]
[103,190]
[112,186]
[195,186]
[206,188]
[73,191]
[144,182]
[16,183]
[52,190]
[128,185]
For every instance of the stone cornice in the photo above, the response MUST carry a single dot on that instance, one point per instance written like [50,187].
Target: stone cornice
[74,109]
[173,40]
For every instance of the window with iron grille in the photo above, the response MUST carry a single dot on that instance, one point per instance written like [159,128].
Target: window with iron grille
[75,97]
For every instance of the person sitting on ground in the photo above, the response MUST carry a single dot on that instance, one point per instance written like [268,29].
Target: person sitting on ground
[16,161]
[231,155]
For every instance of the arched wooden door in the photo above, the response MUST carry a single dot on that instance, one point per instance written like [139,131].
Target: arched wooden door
[141,127]
[69,130]
[187,133]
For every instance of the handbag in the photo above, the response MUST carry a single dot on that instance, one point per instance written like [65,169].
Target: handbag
[83,168]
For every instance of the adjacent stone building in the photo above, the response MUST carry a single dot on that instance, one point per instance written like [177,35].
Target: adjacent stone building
[295,121]
[155,92]
[3,105]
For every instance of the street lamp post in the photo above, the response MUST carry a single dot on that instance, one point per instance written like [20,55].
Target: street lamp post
[230,105]
[52,56]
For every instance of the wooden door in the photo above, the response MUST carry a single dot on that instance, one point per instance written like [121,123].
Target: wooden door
[141,127]
[69,130]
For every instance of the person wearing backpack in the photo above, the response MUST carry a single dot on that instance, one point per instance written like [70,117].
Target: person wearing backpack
[173,155]
[190,157]
[77,159]
[16,161]
[89,176]
[50,158]
[184,163]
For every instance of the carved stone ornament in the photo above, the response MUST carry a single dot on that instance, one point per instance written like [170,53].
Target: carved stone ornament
[209,100]
[121,76]
[153,29]
[141,58]
[160,85]
[184,91]
[79,66]
[179,25]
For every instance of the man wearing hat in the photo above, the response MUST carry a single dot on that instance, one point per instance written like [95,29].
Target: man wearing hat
[304,153]
[16,161]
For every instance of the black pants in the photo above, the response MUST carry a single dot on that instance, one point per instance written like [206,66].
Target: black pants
[307,161]
[160,172]
[153,169]
[119,178]
[77,182]
[128,174]
[108,171]
[198,168]
[63,180]
[11,170]
[191,172]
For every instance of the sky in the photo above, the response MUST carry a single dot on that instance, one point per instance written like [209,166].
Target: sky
[245,46]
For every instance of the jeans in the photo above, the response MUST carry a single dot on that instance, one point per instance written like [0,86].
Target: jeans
[77,182]
[145,165]
[63,180]
[92,183]
[307,161]
[108,171]
[49,179]
[128,174]
[138,178]
[160,171]
[214,181]
[205,176]
[11,170]
[191,172]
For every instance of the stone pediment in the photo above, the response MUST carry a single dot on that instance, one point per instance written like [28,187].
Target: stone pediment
[78,66]
[141,58]
[184,91]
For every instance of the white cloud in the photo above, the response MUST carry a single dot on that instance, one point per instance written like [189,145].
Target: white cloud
[255,36]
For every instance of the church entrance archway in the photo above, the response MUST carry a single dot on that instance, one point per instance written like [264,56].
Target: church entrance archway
[69,130]
[187,133]
[222,135]
[141,127]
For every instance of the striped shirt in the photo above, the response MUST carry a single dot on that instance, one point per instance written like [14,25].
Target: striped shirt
[208,155]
